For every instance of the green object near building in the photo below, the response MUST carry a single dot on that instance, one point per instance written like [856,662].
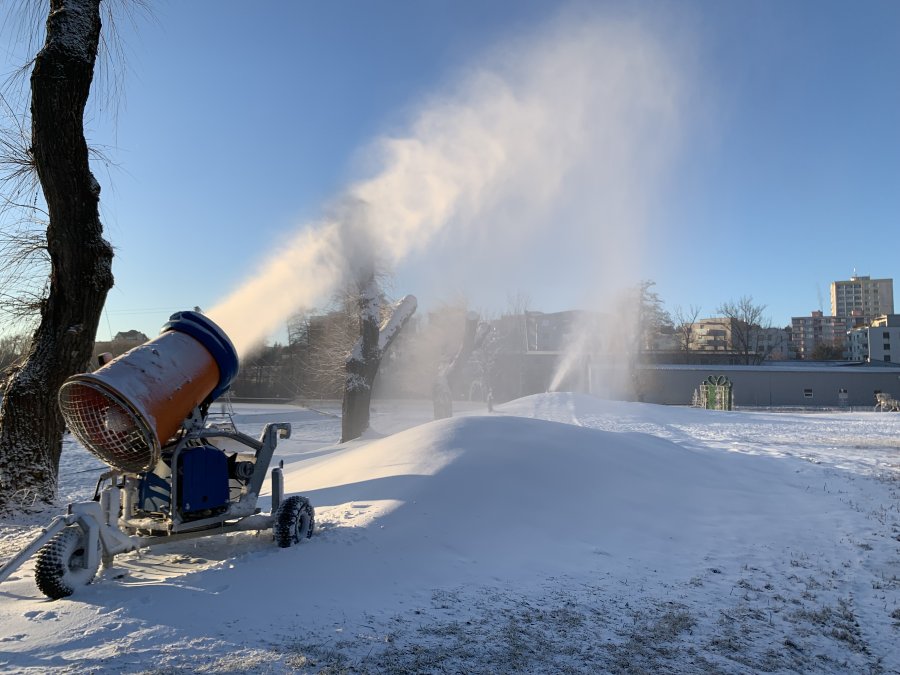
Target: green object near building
[715,393]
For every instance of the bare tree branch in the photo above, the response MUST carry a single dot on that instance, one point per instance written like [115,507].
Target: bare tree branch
[684,324]
[747,325]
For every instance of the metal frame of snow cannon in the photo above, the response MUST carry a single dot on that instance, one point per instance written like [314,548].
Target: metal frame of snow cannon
[175,519]
[112,523]
[170,477]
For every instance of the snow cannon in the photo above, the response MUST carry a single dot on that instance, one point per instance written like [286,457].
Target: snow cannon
[127,410]
[176,470]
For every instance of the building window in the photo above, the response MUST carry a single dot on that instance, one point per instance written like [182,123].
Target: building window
[885,335]
[807,393]
[887,357]
[887,346]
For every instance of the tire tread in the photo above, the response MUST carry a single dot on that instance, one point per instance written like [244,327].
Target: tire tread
[288,519]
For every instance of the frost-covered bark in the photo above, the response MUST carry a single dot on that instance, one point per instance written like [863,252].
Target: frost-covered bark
[375,337]
[31,426]
[448,376]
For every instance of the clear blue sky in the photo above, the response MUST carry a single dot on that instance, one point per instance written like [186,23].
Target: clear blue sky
[240,121]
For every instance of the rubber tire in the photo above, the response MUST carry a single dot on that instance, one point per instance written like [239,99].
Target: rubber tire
[60,569]
[295,520]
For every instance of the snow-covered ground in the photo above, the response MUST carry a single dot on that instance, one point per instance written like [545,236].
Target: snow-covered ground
[560,534]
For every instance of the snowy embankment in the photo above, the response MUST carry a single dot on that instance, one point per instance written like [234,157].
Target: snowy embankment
[562,533]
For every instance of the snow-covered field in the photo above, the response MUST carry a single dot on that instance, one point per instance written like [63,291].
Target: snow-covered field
[560,534]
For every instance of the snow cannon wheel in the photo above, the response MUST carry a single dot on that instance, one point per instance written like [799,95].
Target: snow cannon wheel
[61,564]
[294,521]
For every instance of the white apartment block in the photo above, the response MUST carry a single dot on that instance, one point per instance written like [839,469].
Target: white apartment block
[809,331]
[774,342]
[711,335]
[862,297]
[718,335]
[879,342]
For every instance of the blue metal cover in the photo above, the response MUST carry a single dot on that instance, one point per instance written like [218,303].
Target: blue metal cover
[154,493]
[203,479]
[205,331]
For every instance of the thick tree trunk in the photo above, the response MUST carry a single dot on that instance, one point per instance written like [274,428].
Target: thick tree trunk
[361,368]
[362,365]
[31,426]
[449,376]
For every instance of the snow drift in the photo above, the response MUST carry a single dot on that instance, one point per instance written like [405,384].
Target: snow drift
[509,542]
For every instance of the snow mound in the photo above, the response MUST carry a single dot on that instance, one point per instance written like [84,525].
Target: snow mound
[518,498]
[606,534]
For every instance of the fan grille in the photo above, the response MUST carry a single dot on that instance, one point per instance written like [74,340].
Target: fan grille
[108,427]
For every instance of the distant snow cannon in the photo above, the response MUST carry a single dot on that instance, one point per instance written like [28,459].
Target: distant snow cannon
[126,411]
[175,474]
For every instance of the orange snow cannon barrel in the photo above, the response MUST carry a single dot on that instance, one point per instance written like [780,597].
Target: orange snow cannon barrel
[125,411]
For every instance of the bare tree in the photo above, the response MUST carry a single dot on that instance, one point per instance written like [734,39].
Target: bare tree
[684,325]
[450,373]
[509,343]
[24,259]
[329,337]
[268,371]
[514,322]
[13,349]
[484,359]
[31,426]
[652,316]
[826,352]
[748,326]
[379,325]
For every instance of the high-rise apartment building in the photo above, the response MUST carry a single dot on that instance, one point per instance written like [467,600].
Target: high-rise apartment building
[862,297]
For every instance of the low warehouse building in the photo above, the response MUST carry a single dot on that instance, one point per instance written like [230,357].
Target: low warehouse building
[814,385]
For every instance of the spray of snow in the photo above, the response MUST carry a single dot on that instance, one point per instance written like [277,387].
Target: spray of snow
[599,352]
[552,138]
[578,349]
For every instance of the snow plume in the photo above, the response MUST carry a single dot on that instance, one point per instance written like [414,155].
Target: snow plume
[549,143]
[598,356]
[303,272]
[574,357]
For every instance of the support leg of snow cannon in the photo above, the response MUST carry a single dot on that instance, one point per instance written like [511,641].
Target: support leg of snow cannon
[56,525]
[268,441]
[113,541]
[277,487]
[103,539]
[100,526]
[72,557]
